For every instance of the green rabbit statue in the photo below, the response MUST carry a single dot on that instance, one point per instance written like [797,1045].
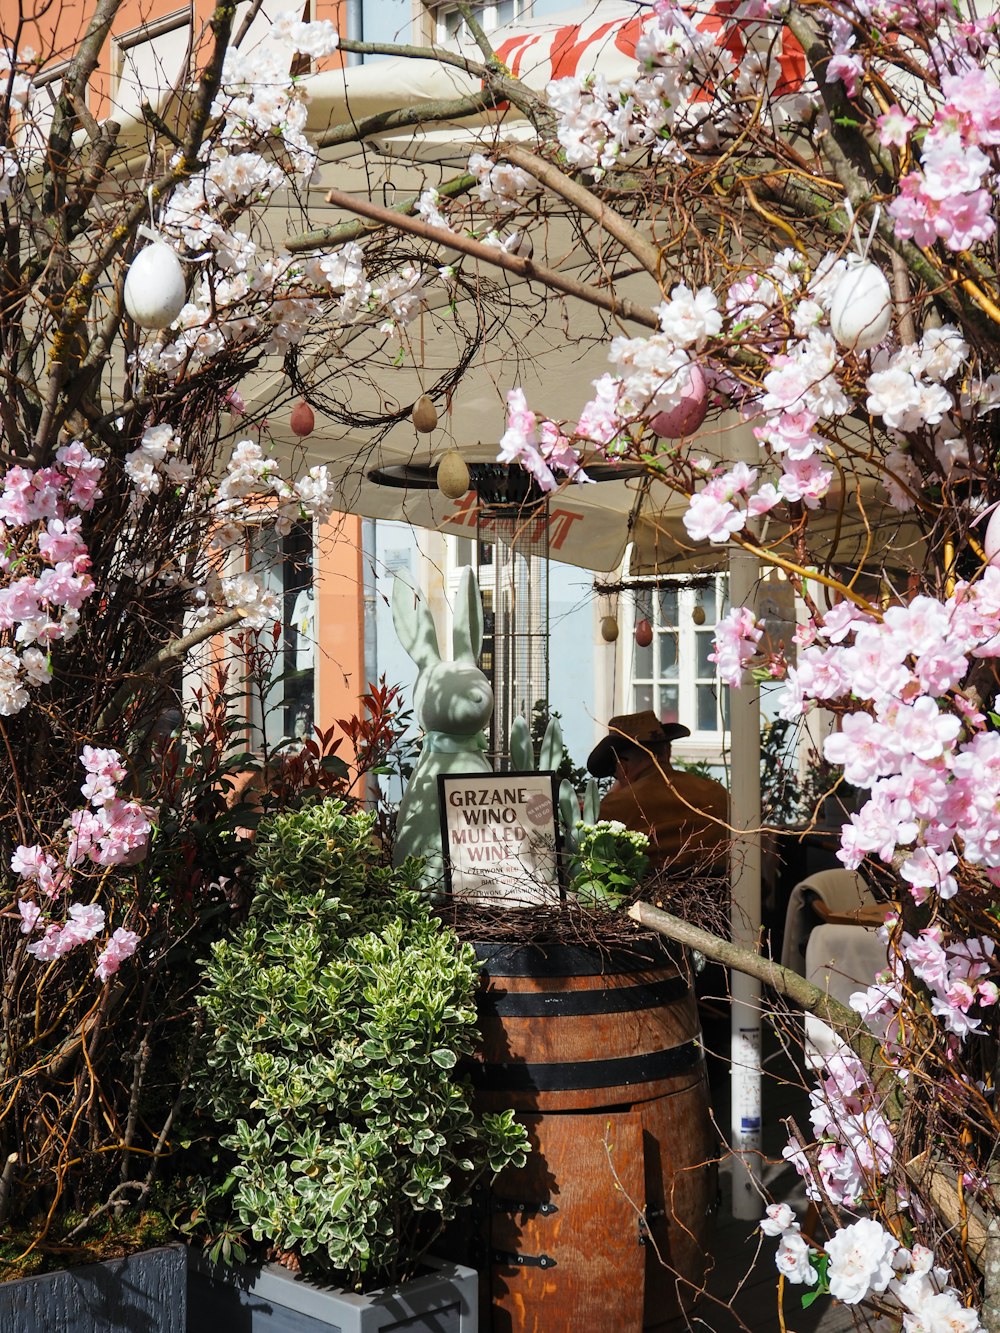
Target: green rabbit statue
[453,702]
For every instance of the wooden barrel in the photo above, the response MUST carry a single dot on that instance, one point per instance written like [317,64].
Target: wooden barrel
[608,1224]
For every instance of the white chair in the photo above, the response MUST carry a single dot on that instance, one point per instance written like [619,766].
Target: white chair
[839,960]
[827,894]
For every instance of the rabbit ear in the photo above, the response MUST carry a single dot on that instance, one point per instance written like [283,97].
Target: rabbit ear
[467,634]
[522,752]
[551,753]
[414,623]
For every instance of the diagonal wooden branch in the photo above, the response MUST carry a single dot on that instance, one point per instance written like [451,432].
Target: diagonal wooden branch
[383,122]
[802,993]
[523,268]
[326,237]
[649,255]
[170,652]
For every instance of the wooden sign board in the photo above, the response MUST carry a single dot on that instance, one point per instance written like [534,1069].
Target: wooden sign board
[500,837]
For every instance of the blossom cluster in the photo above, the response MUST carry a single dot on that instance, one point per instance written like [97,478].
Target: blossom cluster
[689,93]
[955,973]
[501,186]
[737,635]
[251,477]
[537,447]
[856,1141]
[863,1261]
[44,565]
[259,149]
[919,747]
[109,831]
[949,198]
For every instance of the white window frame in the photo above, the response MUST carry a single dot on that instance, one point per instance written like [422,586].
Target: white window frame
[488,15]
[703,743]
[148,34]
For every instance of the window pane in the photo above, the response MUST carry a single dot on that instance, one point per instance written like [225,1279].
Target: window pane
[668,606]
[705,598]
[644,604]
[707,708]
[669,704]
[643,697]
[643,662]
[703,646]
[284,566]
[668,655]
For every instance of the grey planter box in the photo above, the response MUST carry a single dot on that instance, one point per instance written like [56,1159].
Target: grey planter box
[144,1293]
[272,1300]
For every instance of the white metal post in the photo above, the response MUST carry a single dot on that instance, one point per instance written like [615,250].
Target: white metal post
[744,812]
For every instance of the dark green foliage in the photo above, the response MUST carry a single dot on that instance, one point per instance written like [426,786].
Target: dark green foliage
[336,1018]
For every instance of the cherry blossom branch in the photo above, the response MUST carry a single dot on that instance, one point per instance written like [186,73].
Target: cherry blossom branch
[621,307]
[649,255]
[170,652]
[327,237]
[382,122]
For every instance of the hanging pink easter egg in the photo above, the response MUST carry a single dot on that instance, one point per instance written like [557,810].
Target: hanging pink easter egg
[302,420]
[687,416]
[991,538]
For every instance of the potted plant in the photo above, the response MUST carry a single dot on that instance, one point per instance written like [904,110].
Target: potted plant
[335,1019]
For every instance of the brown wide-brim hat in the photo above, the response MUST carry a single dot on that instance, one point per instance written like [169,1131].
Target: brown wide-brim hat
[628,731]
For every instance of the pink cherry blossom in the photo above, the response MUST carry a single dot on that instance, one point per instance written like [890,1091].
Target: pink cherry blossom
[895,127]
[30,912]
[736,637]
[122,945]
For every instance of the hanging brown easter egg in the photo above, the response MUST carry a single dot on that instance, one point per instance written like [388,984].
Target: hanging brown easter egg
[643,633]
[453,475]
[302,420]
[698,615]
[609,629]
[424,414]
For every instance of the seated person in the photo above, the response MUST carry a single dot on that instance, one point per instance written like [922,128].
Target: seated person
[684,815]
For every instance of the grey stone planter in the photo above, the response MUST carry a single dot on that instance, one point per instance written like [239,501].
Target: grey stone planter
[144,1293]
[272,1300]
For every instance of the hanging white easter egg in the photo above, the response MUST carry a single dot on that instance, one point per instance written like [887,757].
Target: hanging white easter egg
[861,309]
[155,290]
[991,538]
[687,416]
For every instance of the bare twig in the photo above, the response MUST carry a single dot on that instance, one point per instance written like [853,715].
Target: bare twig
[622,307]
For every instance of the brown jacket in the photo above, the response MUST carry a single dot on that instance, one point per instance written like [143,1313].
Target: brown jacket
[679,837]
